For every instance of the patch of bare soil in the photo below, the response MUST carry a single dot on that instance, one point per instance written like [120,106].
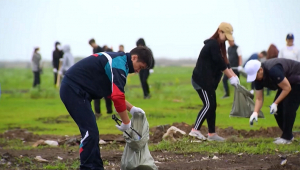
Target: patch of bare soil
[164,160]
[158,132]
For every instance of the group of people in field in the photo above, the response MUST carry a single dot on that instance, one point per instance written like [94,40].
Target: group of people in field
[104,73]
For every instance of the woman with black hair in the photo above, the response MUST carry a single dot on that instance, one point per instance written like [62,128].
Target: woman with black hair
[207,74]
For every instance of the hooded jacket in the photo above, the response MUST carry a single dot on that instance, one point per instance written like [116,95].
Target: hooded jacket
[68,59]
[56,55]
[210,64]
[91,77]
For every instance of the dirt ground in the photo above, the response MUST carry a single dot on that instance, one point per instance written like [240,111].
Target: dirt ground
[164,160]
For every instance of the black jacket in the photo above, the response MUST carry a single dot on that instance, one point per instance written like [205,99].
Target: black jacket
[210,64]
[97,50]
[57,54]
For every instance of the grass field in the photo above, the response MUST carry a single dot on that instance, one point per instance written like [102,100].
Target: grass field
[173,100]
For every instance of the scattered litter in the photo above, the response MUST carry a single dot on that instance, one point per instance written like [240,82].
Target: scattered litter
[296,152]
[157,162]
[170,133]
[205,158]
[240,154]
[276,150]
[8,163]
[102,142]
[37,143]
[40,159]
[196,141]
[21,156]
[215,157]
[283,162]
[51,142]
[60,158]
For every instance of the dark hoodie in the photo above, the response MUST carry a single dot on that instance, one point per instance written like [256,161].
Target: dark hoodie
[210,64]
[57,54]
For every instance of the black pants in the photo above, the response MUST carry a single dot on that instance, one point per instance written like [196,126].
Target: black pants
[225,80]
[286,113]
[79,107]
[97,103]
[144,74]
[55,78]
[36,78]
[208,111]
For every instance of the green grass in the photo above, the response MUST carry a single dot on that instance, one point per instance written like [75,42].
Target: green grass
[171,92]
[249,146]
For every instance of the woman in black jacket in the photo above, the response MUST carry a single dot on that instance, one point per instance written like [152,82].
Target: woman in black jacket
[207,74]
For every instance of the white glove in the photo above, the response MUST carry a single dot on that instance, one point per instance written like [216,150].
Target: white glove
[54,70]
[151,71]
[273,108]
[253,117]
[237,79]
[124,127]
[234,81]
[60,72]
[136,109]
[240,68]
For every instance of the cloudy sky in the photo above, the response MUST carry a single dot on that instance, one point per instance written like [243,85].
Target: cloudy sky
[171,28]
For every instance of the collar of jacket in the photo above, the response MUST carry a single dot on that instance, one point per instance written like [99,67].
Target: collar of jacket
[130,65]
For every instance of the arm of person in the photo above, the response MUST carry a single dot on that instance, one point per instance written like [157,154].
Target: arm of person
[118,94]
[239,53]
[277,75]
[280,55]
[217,56]
[258,100]
[63,66]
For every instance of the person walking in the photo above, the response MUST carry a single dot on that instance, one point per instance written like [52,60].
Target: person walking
[212,61]
[56,56]
[36,68]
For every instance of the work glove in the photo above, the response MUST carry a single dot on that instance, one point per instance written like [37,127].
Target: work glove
[151,71]
[273,108]
[54,70]
[253,117]
[136,109]
[240,68]
[123,127]
[234,81]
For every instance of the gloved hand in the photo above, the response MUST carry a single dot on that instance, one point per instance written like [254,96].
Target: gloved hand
[253,117]
[234,81]
[60,72]
[240,68]
[237,79]
[273,108]
[151,71]
[54,70]
[136,109]
[123,127]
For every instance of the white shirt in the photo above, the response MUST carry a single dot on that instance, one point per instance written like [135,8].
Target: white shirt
[290,52]
[239,51]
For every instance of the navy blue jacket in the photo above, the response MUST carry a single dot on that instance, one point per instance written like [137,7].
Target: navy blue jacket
[93,76]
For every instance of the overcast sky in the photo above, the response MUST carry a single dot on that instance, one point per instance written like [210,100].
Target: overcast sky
[171,28]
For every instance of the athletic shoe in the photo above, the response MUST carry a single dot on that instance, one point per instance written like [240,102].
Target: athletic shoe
[225,96]
[282,141]
[215,137]
[197,134]
[280,137]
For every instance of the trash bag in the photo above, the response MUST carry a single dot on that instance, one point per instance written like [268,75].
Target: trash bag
[243,104]
[136,155]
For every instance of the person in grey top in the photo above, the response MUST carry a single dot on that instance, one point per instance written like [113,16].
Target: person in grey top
[67,60]
[35,64]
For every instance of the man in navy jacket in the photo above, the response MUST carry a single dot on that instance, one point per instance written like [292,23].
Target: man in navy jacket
[100,75]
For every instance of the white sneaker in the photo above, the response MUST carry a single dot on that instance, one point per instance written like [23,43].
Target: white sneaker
[282,141]
[280,137]
[197,134]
